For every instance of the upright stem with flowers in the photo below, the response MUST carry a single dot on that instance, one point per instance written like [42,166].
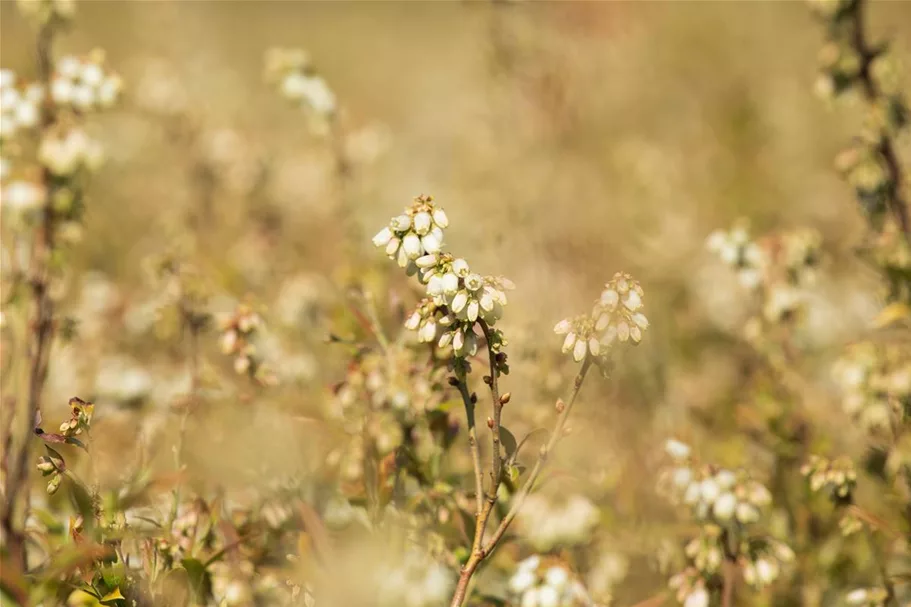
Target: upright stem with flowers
[459,312]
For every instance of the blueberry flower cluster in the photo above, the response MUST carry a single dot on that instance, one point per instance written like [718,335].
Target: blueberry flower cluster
[616,316]
[298,81]
[836,476]
[712,494]
[537,583]
[19,106]
[778,268]
[737,250]
[457,298]
[728,505]
[51,114]
[875,380]
[83,84]
[416,233]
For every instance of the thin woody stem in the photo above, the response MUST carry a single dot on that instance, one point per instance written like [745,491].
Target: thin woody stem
[473,446]
[480,551]
[496,461]
[42,328]
[555,436]
[886,148]
[881,567]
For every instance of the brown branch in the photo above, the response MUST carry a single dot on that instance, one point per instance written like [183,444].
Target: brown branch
[469,401]
[881,567]
[42,326]
[480,551]
[555,436]
[886,148]
[496,461]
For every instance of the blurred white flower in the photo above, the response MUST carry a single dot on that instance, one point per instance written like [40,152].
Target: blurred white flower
[416,580]
[82,84]
[64,154]
[552,587]
[22,196]
[550,522]
[122,381]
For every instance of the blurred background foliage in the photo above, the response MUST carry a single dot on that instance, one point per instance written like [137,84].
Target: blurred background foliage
[565,140]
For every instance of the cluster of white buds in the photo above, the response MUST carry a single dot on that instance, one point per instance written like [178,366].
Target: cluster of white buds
[616,316]
[799,253]
[424,320]
[876,383]
[457,298]
[414,234]
[65,153]
[83,84]
[837,476]
[735,248]
[759,559]
[779,267]
[867,597]
[20,107]
[713,494]
[44,11]
[537,583]
[690,587]
[727,504]
[298,81]
[763,563]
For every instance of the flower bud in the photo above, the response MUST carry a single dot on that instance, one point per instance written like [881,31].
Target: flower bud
[54,484]
[422,223]
[45,464]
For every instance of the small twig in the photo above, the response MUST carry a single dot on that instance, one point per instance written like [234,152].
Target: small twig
[468,400]
[729,582]
[189,406]
[881,566]
[871,91]
[374,318]
[496,461]
[555,436]
[480,550]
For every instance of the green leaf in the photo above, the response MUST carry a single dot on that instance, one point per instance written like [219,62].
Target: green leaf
[56,458]
[525,438]
[72,440]
[112,596]
[509,442]
[113,575]
[449,405]
[200,579]
[82,499]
